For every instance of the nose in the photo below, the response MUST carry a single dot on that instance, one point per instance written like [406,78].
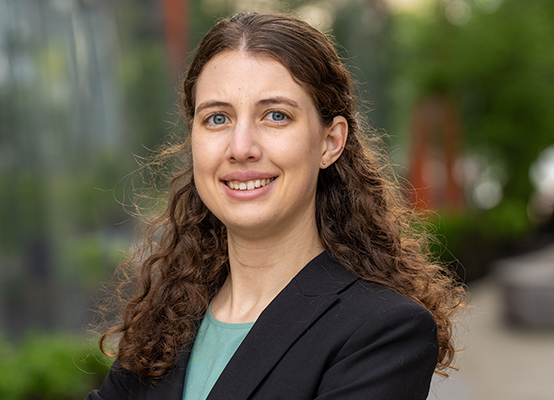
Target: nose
[244,143]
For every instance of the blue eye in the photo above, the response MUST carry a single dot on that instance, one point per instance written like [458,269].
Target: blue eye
[277,116]
[217,119]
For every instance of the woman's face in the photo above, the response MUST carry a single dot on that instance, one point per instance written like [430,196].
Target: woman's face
[257,145]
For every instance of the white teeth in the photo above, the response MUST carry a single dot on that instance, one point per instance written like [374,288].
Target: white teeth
[249,185]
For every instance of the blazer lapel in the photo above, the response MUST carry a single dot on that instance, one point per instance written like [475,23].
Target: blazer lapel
[290,314]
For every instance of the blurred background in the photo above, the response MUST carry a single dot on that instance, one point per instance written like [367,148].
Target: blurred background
[464,89]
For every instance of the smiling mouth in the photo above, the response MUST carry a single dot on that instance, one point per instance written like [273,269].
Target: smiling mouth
[249,185]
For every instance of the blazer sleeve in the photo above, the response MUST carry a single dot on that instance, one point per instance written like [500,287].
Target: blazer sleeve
[389,357]
[120,384]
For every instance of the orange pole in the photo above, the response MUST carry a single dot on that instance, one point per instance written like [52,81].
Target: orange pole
[176,35]
[435,132]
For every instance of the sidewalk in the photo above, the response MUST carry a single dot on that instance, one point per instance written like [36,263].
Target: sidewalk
[499,362]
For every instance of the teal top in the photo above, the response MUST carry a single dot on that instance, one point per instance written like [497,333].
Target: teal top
[215,344]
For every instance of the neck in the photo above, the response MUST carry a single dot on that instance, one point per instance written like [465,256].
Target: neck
[260,269]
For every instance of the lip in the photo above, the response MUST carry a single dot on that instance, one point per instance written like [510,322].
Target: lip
[246,176]
[252,194]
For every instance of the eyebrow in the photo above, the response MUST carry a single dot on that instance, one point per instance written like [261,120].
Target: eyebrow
[211,103]
[278,100]
[263,102]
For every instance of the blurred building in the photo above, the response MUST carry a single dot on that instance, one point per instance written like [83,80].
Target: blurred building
[66,73]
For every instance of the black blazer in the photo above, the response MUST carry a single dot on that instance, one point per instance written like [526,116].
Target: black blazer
[327,335]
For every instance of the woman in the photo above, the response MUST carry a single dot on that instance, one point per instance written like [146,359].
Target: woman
[286,266]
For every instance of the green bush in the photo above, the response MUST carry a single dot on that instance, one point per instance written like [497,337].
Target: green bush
[471,241]
[50,366]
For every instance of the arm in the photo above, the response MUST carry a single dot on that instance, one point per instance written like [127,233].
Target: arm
[389,357]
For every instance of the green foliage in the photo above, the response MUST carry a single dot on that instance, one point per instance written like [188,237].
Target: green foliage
[499,64]
[75,215]
[472,240]
[49,366]
[148,96]
[22,211]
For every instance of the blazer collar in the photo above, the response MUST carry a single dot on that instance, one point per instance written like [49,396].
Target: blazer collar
[314,289]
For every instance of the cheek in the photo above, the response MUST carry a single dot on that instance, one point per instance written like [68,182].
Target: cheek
[301,158]
[201,164]
[307,151]
[202,182]
[202,154]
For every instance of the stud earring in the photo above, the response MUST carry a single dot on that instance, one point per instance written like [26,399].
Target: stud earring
[324,163]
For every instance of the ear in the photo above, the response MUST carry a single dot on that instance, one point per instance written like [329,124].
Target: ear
[334,141]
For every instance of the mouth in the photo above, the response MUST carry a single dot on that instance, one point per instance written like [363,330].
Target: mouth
[249,185]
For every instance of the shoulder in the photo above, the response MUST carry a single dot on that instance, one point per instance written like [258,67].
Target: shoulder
[382,300]
[358,301]
[385,345]
[379,310]
[372,338]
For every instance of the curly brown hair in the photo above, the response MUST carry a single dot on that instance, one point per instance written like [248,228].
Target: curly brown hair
[363,219]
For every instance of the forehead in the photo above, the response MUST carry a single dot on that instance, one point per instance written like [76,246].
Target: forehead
[233,73]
